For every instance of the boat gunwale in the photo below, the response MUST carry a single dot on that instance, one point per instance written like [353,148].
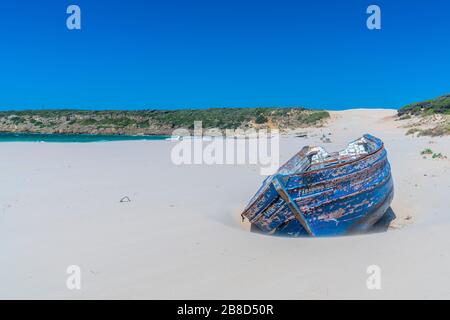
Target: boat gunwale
[352,174]
[339,164]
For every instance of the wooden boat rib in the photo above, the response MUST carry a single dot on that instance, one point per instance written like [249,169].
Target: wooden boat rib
[317,193]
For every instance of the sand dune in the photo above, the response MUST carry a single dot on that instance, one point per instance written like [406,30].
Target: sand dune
[180,237]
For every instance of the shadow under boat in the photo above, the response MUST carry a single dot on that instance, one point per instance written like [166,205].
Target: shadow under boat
[380,226]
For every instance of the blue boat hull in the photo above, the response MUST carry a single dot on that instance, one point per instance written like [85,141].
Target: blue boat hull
[343,199]
[361,218]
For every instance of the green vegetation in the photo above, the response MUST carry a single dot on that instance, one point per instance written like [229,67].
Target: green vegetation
[155,121]
[438,105]
[17,120]
[37,123]
[310,118]
[437,156]
[86,122]
[430,118]
[440,130]
[261,118]
[143,124]
[412,131]
[434,155]
[405,117]
[120,122]
[426,151]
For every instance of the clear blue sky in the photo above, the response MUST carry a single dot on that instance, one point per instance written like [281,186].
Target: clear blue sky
[222,53]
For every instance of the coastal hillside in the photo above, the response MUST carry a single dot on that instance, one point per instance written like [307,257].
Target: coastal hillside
[427,118]
[155,122]
[439,105]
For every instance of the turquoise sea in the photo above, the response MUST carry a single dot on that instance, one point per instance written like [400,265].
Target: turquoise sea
[77,138]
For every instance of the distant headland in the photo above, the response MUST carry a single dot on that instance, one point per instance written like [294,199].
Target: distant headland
[155,122]
[430,117]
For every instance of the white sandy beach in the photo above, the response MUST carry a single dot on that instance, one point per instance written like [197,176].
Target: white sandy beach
[181,236]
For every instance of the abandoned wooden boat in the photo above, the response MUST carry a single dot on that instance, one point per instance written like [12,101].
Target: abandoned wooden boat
[325,194]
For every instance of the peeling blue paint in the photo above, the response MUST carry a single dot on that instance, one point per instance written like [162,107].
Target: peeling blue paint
[321,194]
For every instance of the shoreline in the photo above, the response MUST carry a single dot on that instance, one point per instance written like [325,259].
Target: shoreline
[284,132]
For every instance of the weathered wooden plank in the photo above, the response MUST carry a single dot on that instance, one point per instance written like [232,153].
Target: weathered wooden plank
[333,194]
